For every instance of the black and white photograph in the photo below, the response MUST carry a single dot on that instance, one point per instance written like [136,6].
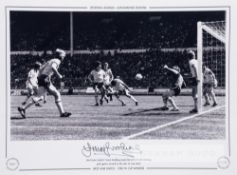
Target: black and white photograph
[107,87]
[153,75]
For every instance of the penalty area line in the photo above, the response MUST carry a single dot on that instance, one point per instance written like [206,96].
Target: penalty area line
[171,123]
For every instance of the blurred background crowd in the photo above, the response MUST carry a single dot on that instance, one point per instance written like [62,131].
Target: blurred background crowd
[151,39]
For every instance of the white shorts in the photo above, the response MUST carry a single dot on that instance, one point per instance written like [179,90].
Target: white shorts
[32,85]
[107,83]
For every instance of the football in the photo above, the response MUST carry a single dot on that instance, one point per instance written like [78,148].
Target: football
[138,76]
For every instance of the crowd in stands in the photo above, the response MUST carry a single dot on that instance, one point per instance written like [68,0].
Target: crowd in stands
[44,31]
[97,31]
[125,65]
[142,33]
[77,68]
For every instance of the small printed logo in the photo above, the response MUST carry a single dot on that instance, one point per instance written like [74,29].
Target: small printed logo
[12,164]
[223,162]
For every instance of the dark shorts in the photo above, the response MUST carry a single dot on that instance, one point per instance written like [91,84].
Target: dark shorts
[107,86]
[193,81]
[176,90]
[98,85]
[123,92]
[208,85]
[208,88]
[44,81]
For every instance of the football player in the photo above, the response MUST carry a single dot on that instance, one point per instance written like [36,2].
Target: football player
[121,88]
[175,89]
[209,83]
[193,66]
[107,80]
[97,78]
[45,85]
[32,82]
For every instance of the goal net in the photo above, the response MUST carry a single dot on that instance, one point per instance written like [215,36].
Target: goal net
[211,52]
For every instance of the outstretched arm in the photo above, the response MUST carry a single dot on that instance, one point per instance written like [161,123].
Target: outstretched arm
[170,69]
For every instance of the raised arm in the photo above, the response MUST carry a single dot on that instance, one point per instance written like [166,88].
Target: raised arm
[170,69]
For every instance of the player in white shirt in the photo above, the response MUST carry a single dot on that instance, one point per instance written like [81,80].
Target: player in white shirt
[193,66]
[45,95]
[32,82]
[121,88]
[107,80]
[177,82]
[97,78]
[45,85]
[209,83]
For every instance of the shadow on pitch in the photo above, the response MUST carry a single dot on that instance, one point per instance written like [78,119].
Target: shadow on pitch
[17,118]
[39,117]
[144,112]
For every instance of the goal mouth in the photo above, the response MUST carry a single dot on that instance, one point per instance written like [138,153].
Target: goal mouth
[216,29]
[211,52]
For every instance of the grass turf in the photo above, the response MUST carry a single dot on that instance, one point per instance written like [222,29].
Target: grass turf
[112,121]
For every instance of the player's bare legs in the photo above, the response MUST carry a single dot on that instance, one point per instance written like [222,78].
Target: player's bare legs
[165,101]
[34,100]
[27,98]
[206,95]
[45,98]
[117,96]
[29,94]
[109,93]
[58,101]
[195,99]
[127,94]
[167,97]
[52,90]
[210,94]
[57,96]
[96,96]
[195,103]
[213,96]
[207,99]
[172,102]
[22,109]
[103,95]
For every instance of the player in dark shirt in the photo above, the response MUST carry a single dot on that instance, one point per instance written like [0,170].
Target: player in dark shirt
[176,85]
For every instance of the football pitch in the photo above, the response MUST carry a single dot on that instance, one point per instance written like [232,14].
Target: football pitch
[113,121]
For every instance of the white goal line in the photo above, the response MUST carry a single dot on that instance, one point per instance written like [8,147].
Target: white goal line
[170,123]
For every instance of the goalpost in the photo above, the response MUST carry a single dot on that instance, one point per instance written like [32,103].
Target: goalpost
[211,51]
